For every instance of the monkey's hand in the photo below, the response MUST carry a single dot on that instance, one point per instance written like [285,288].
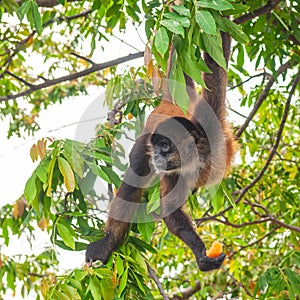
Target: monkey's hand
[99,250]
[206,263]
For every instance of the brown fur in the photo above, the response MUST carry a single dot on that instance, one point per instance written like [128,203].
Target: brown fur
[215,157]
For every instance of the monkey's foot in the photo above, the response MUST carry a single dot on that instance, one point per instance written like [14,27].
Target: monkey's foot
[206,263]
[98,250]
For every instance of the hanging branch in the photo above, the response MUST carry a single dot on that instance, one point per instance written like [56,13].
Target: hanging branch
[259,12]
[157,282]
[48,3]
[94,68]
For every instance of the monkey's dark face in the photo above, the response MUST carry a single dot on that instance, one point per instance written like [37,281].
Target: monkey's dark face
[165,156]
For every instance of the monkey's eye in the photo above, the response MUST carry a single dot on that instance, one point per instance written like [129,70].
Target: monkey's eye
[165,147]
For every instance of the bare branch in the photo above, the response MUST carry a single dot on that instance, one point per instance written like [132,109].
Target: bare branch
[253,243]
[157,282]
[238,283]
[18,78]
[228,223]
[260,11]
[188,292]
[248,79]
[262,97]
[48,3]
[83,57]
[70,77]
[282,224]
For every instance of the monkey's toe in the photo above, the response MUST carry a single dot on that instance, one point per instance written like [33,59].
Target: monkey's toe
[207,263]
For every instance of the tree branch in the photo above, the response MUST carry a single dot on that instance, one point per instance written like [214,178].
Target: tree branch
[157,282]
[253,243]
[190,291]
[259,12]
[48,3]
[248,79]
[282,224]
[239,284]
[94,68]
[262,97]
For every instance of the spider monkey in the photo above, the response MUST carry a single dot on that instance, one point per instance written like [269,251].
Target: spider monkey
[187,151]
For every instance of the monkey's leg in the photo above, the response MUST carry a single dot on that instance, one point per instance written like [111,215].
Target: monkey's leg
[173,195]
[180,225]
[124,204]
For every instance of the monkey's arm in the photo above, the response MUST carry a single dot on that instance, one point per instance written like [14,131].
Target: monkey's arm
[173,194]
[124,204]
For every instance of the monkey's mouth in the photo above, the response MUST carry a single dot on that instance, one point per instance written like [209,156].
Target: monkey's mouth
[161,165]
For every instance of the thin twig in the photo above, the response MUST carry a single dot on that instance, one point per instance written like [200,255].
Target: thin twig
[18,78]
[238,283]
[83,57]
[187,293]
[248,79]
[253,243]
[157,282]
[262,97]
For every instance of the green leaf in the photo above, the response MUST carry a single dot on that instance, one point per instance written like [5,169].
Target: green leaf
[234,29]
[42,170]
[215,4]
[153,199]
[23,9]
[227,194]
[71,292]
[217,197]
[94,286]
[184,21]
[112,175]
[98,171]
[146,230]
[107,289]
[181,10]
[177,85]
[36,17]
[64,233]
[123,282]
[191,68]
[161,41]
[173,26]
[119,265]
[67,172]
[213,46]
[73,157]
[141,245]
[30,190]
[50,174]
[206,21]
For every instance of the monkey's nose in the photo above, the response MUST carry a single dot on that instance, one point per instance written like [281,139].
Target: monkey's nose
[159,162]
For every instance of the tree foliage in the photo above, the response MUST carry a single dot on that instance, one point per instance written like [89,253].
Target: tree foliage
[254,212]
